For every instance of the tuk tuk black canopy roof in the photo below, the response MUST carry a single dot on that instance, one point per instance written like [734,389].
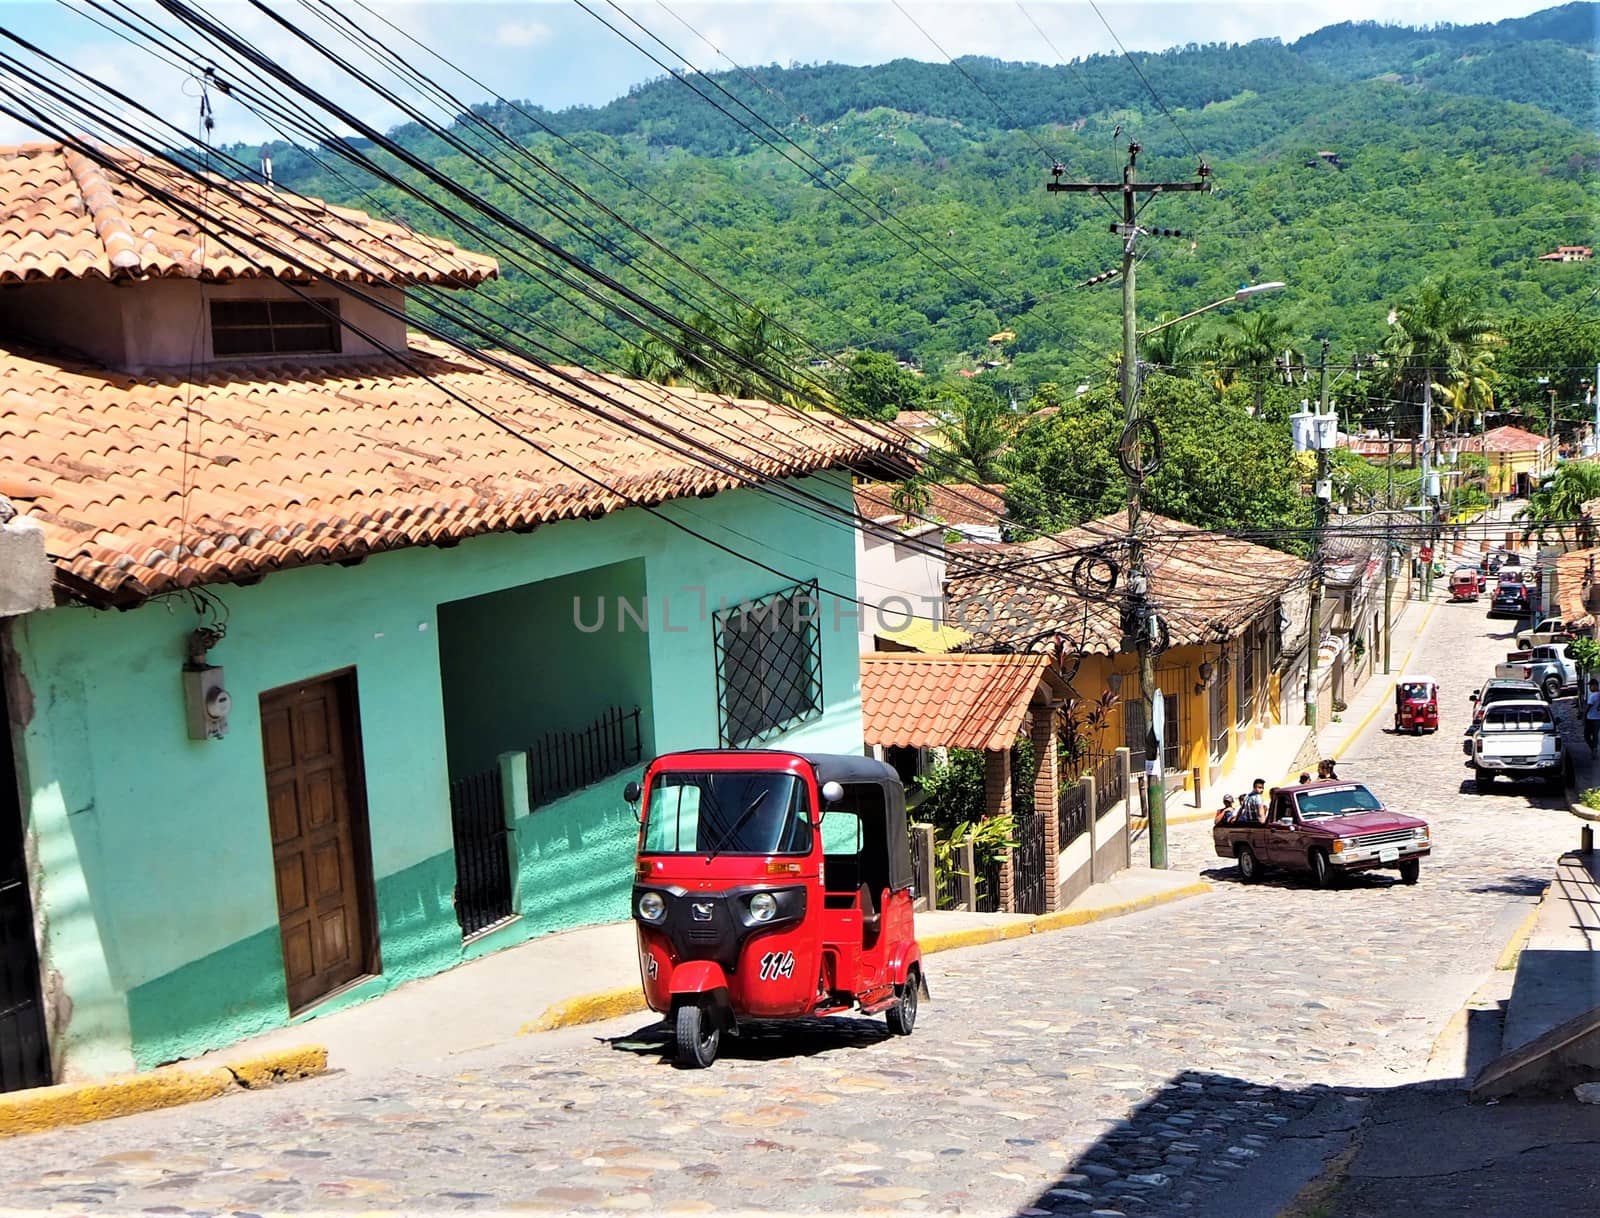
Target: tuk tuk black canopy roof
[847,768]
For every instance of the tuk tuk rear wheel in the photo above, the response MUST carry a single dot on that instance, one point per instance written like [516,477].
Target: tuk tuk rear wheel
[903,1015]
[697,1034]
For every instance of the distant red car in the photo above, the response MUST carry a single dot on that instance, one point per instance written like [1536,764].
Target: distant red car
[1329,829]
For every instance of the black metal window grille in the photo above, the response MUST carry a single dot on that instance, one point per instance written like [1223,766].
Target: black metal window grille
[1244,689]
[483,857]
[274,327]
[24,1045]
[1219,716]
[769,665]
[560,763]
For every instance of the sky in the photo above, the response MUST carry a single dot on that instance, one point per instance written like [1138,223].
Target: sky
[558,53]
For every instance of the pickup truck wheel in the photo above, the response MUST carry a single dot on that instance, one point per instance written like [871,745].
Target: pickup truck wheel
[1249,868]
[1556,783]
[1410,869]
[1321,870]
[1485,780]
[1551,688]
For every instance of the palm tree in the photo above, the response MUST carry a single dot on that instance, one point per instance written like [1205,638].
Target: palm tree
[1254,343]
[1440,340]
[654,360]
[977,431]
[1176,349]
[1559,503]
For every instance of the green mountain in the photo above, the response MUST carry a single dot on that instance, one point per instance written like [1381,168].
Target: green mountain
[902,207]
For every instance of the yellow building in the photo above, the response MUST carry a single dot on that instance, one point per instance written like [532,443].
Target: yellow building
[1517,459]
[1233,614]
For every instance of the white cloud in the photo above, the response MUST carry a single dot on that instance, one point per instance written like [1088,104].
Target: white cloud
[522,34]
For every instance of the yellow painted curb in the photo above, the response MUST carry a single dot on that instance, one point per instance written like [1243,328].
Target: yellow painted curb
[79,1103]
[587,1008]
[1064,918]
[1393,680]
[1520,936]
[974,936]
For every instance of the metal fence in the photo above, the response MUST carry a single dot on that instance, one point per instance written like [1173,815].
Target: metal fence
[1109,788]
[1072,814]
[563,762]
[1029,873]
[483,861]
[989,885]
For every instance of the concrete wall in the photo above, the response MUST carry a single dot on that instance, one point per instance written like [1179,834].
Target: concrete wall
[898,579]
[155,879]
[543,657]
[166,323]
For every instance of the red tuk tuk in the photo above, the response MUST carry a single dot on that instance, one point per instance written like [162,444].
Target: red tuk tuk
[772,885]
[1416,705]
[1465,584]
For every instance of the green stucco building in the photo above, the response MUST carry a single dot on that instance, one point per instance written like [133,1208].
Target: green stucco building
[324,670]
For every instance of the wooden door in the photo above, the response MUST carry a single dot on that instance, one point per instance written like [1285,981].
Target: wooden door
[320,853]
[24,1046]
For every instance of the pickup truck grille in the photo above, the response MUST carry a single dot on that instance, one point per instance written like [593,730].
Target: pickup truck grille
[1387,837]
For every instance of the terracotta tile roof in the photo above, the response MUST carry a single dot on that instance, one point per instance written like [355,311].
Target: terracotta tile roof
[957,701]
[1575,575]
[65,216]
[973,505]
[296,464]
[1505,440]
[1206,586]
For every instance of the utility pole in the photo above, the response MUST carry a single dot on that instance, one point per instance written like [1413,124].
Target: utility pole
[1319,519]
[1388,560]
[1140,625]
[1427,485]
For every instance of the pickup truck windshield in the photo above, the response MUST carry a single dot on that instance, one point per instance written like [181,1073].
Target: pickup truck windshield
[1517,719]
[1336,801]
[727,812]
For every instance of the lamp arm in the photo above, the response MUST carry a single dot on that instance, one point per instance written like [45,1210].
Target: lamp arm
[1215,304]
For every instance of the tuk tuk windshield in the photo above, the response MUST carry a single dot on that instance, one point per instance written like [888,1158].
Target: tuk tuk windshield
[1336,801]
[727,812]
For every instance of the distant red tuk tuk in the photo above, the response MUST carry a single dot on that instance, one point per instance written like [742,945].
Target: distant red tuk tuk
[1465,584]
[1416,705]
[772,885]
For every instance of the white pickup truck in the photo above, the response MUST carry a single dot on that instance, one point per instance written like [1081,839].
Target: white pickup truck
[1551,630]
[1519,740]
[1547,666]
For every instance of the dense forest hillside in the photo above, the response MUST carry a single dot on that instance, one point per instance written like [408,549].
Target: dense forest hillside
[902,207]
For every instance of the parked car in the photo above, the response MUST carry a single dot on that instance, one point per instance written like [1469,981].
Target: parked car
[1519,740]
[1510,600]
[1548,667]
[1497,689]
[1329,829]
[1550,630]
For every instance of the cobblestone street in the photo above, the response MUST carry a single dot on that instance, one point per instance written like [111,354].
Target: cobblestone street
[1135,1066]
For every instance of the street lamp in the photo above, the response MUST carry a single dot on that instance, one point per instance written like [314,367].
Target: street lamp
[1244,293]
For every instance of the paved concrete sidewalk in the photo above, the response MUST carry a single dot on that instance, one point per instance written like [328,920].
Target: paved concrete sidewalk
[593,973]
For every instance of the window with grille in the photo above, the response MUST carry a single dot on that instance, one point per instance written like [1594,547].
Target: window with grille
[1219,717]
[274,327]
[1244,686]
[769,665]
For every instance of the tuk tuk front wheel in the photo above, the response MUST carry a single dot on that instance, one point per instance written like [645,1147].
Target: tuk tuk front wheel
[903,1015]
[697,1034]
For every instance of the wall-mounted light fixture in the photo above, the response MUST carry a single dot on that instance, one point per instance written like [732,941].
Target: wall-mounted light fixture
[1114,683]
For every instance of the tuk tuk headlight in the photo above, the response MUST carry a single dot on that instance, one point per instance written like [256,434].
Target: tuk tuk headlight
[651,907]
[763,907]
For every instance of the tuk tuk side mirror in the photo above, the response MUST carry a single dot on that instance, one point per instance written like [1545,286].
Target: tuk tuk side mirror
[832,792]
[632,793]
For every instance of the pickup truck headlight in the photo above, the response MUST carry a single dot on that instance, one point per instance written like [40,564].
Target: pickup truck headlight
[1338,847]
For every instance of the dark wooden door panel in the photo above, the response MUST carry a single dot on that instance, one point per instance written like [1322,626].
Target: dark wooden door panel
[314,800]
[24,1045]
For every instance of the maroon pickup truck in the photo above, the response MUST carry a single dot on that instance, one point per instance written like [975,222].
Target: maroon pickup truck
[1329,829]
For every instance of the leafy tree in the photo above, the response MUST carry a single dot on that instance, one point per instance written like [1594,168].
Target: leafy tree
[1557,504]
[874,386]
